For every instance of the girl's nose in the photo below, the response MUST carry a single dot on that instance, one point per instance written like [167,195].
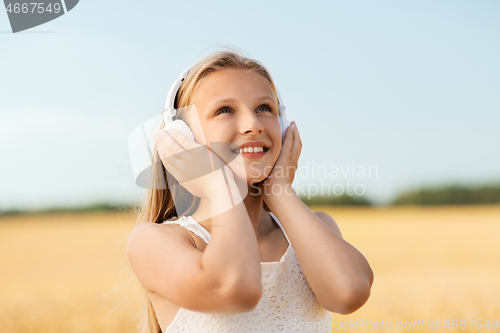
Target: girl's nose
[250,124]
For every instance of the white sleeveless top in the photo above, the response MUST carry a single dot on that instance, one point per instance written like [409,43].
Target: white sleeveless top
[288,303]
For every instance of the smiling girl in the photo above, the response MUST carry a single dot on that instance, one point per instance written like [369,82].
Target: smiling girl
[268,264]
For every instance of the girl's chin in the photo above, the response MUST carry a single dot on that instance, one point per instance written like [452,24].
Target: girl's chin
[252,175]
[255,180]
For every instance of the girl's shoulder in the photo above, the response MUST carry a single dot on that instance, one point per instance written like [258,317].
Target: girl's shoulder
[150,232]
[329,221]
[152,250]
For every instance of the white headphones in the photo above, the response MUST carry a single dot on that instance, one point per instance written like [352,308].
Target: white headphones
[181,126]
[142,145]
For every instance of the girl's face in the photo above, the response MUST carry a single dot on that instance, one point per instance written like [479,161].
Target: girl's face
[238,106]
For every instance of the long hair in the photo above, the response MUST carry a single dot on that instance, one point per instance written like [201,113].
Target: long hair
[158,204]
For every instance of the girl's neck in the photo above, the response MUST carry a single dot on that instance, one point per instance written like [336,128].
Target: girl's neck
[261,220]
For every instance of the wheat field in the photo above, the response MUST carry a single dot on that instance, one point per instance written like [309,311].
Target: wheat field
[69,273]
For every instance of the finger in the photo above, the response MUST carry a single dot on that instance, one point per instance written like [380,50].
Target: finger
[181,139]
[288,141]
[297,142]
[170,163]
[166,145]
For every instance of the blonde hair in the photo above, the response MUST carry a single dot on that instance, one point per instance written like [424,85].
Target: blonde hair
[158,204]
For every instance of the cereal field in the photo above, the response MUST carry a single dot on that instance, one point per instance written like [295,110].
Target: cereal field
[68,272]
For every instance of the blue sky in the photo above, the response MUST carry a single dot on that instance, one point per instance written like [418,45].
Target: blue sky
[410,88]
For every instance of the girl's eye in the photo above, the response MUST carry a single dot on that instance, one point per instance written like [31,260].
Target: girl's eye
[265,107]
[222,110]
[227,109]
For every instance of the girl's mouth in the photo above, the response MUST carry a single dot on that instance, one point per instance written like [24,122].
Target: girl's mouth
[251,151]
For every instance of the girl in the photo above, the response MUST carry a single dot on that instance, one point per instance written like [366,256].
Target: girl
[268,264]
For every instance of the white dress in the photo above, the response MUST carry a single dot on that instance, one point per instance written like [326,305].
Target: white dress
[288,303]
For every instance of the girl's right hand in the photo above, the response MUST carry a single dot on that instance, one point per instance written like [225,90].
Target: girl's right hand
[194,166]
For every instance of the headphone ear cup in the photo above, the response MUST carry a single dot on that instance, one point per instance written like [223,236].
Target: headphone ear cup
[284,123]
[180,126]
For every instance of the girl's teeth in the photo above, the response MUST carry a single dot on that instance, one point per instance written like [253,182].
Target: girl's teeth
[249,150]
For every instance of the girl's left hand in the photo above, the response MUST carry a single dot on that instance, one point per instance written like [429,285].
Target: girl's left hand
[284,170]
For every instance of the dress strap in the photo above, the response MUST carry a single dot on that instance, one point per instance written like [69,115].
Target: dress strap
[191,224]
[283,229]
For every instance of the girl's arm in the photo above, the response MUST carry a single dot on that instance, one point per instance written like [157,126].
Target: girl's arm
[225,278]
[338,274]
